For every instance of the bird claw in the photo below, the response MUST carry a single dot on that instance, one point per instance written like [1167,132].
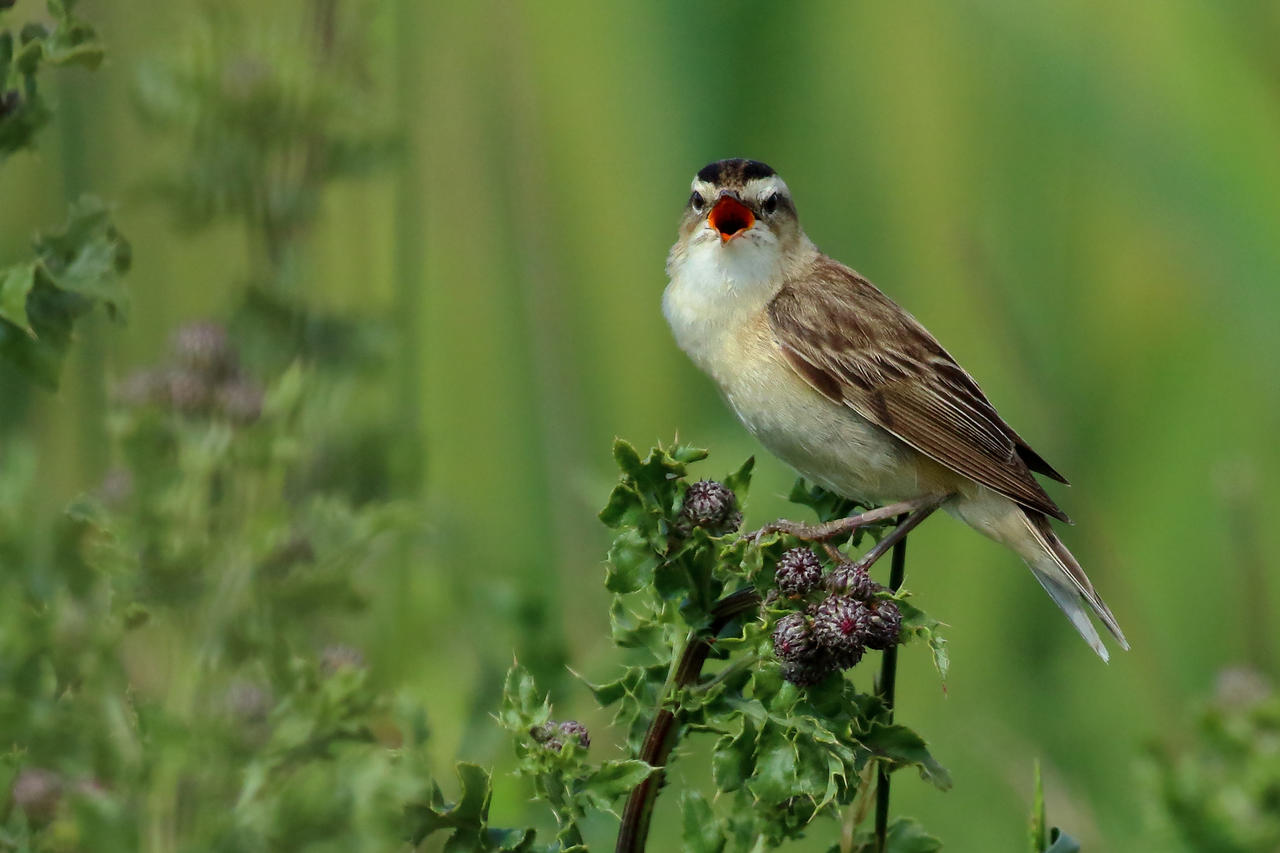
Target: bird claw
[825,531]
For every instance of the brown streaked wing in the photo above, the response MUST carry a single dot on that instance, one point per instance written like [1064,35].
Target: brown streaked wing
[855,346]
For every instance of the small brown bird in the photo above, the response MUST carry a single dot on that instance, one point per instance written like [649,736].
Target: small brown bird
[847,387]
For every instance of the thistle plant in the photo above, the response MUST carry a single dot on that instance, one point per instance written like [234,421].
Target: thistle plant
[746,641]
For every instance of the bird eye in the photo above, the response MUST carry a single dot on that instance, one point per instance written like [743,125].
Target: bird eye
[697,201]
[770,204]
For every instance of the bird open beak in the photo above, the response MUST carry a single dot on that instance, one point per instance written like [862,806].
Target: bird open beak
[730,217]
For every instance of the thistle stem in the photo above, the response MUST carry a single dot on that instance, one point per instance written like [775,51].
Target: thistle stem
[663,731]
[889,667]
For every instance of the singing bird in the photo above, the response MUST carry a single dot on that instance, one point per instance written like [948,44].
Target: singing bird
[845,386]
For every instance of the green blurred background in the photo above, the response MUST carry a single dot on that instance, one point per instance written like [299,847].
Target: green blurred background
[1081,201]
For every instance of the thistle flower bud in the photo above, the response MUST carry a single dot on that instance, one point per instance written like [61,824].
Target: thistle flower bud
[188,392]
[793,639]
[884,625]
[37,792]
[839,623]
[240,401]
[797,572]
[852,581]
[571,729]
[143,388]
[205,348]
[544,732]
[338,657]
[553,736]
[712,506]
[248,702]
[808,672]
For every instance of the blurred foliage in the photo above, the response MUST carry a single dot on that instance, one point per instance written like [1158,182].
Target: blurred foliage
[1220,791]
[170,668]
[24,109]
[266,125]
[79,266]
[267,120]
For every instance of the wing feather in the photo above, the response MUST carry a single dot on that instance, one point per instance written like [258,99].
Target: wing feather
[857,347]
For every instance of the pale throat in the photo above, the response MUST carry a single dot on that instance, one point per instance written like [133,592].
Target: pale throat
[715,290]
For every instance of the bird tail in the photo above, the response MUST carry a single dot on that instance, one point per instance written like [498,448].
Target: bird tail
[1067,584]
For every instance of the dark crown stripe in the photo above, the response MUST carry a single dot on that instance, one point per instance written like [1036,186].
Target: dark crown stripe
[736,170]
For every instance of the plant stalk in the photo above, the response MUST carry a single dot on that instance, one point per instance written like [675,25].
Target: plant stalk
[888,683]
[663,731]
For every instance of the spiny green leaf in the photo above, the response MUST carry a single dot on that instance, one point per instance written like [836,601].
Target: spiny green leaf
[687,453]
[775,776]
[468,817]
[904,747]
[905,835]
[917,623]
[624,453]
[740,481]
[702,831]
[632,562]
[734,759]
[624,503]
[613,779]
[522,705]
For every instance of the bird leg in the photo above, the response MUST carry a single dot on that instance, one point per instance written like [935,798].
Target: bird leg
[898,533]
[829,530]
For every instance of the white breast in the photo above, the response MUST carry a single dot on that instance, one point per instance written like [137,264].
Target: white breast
[715,305]
[716,290]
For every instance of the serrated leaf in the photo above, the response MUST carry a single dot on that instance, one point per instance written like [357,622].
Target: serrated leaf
[613,779]
[468,817]
[624,502]
[826,505]
[624,453]
[632,631]
[522,705]
[905,835]
[701,830]
[739,482]
[632,562]
[918,624]
[904,747]
[775,777]
[733,760]
[686,453]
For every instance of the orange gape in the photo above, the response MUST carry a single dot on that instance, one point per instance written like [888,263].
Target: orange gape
[730,217]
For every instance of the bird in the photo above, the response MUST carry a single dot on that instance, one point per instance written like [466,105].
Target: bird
[849,389]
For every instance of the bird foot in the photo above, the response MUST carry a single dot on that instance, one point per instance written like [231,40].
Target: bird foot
[828,530]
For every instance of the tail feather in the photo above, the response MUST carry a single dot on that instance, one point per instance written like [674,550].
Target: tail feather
[1067,584]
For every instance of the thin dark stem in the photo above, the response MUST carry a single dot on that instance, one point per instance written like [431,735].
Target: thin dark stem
[661,737]
[889,666]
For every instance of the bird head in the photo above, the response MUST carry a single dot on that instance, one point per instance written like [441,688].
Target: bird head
[739,206]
